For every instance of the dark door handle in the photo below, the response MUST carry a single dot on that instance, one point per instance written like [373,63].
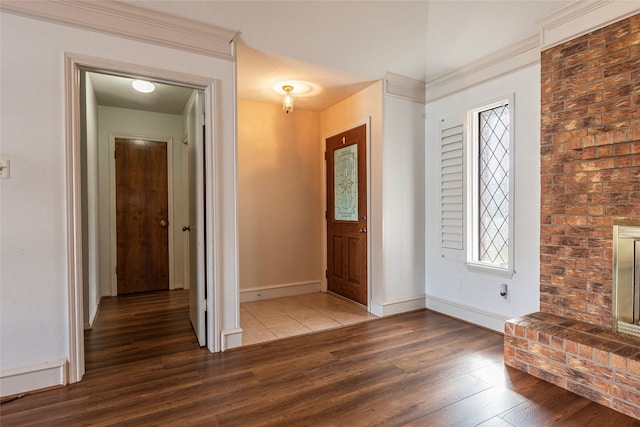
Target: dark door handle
[186,228]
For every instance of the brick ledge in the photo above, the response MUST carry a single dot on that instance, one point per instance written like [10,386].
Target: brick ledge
[580,357]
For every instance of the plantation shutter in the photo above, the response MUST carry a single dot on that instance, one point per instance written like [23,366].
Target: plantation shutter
[451,185]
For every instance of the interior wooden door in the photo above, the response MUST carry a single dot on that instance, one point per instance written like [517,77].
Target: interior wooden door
[142,215]
[347,214]
[195,201]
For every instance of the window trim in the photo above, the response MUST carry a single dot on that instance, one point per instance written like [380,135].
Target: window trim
[472,189]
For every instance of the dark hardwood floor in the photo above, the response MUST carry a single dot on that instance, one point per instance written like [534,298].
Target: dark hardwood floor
[420,369]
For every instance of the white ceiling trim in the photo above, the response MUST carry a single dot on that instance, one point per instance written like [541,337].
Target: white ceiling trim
[581,18]
[405,87]
[129,21]
[512,58]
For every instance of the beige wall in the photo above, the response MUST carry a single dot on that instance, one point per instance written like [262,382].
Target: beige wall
[280,213]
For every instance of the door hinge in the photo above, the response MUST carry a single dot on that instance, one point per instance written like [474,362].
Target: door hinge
[326,216]
[114,154]
[204,305]
[202,119]
[326,274]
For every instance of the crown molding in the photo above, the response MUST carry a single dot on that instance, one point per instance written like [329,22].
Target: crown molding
[405,87]
[570,22]
[129,21]
[512,58]
[582,17]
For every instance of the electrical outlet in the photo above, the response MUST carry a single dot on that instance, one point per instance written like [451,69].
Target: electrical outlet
[5,169]
[504,291]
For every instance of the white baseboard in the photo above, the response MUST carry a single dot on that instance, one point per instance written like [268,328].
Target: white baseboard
[178,285]
[278,291]
[35,377]
[231,338]
[470,314]
[383,309]
[93,316]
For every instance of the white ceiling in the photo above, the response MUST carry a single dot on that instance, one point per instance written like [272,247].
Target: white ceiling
[339,47]
[115,91]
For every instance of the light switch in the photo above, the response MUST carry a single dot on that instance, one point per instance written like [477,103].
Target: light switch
[4,169]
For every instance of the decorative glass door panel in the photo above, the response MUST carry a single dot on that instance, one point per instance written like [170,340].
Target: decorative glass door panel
[345,168]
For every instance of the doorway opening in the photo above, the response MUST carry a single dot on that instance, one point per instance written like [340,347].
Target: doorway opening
[265,317]
[281,210]
[142,197]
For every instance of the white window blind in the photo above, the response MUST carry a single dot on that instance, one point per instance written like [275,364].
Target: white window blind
[451,182]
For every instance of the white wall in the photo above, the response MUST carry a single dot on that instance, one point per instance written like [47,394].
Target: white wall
[396,216]
[34,280]
[451,287]
[121,122]
[92,284]
[403,192]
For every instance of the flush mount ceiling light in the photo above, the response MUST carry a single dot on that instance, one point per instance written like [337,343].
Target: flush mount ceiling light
[143,86]
[289,88]
[287,104]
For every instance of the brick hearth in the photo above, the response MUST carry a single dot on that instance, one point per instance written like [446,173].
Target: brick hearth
[577,356]
[590,177]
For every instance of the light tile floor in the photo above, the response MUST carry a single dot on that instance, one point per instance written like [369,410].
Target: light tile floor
[278,318]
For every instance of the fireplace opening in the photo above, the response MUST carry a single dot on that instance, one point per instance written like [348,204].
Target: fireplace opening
[626,277]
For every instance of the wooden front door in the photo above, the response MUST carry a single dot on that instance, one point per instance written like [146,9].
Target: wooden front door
[347,214]
[142,215]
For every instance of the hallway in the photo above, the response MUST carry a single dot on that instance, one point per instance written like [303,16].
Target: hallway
[139,327]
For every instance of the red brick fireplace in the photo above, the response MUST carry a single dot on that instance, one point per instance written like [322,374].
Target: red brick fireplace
[590,178]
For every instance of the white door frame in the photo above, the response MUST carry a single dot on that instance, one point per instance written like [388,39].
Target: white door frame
[367,122]
[73,177]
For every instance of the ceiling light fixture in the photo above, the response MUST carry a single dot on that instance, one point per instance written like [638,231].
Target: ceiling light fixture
[143,86]
[287,104]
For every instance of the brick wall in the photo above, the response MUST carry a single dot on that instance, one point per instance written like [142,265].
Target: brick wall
[590,166]
[590,177]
